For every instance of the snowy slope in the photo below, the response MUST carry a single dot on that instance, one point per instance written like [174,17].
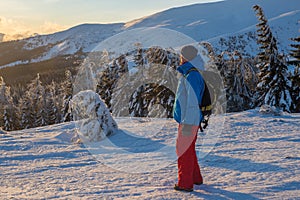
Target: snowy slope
[256,157]
[84,37]
[209,21]
[205,21]
[223,19]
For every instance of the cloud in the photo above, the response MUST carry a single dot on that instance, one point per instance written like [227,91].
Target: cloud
[50,27]
[13,29]
[17,29]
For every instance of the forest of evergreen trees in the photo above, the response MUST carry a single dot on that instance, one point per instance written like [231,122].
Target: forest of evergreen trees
[36,105]
[249,82]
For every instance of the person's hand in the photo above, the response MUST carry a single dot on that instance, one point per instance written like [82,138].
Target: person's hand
[186,129]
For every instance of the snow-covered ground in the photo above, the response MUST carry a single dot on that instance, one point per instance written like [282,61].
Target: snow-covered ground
[256,157]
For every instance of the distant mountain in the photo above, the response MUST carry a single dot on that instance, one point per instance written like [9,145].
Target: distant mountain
[228,25]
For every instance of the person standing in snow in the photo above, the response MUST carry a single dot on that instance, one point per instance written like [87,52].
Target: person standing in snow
[188,114]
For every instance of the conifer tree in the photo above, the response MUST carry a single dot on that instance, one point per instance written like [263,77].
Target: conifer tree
[137,103]
[52,105]
[25,113]
[2,100]
[273,87]
[139,56]
[295,77]
[37,93]
[238,93]
[105,86]
[33,105]
[8,114]
[140,93]
[244,69]
[122,66]
[295,52]
[66,93]
[109,78]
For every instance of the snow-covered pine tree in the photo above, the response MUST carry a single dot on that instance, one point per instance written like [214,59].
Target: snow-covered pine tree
[25,113]
[39,105]
[278,94]
[66,94]
[153,99]
[295,77]
[8,114]
[161,97]
[231,82]
[53,116]
[157,55]
[137,103]
[139,55]
[122,66]
[138,92]
[268,48]
[239,96]
[37,93]
[104,86]
[109,78]
[2,100]
[32,105]
[174,60]
[9,118]
[273,87]
[243,70]
[295,52]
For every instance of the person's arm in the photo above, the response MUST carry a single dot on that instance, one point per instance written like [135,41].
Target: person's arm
[194,85]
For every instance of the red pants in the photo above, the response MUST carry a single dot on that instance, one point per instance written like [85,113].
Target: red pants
[188,167]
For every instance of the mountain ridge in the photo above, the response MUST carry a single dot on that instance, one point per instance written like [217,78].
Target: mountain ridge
[206,21]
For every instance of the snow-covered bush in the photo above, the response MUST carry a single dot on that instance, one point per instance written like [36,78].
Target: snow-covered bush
[272,110]
[93,119]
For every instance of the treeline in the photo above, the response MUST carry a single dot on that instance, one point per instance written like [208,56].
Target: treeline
[36,104]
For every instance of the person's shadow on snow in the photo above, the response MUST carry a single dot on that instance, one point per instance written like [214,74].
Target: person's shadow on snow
[132,144]
[210,192]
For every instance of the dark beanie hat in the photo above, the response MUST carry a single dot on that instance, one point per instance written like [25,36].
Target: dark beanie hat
[189,52]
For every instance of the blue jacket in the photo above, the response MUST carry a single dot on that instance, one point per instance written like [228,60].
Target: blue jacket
[188,96]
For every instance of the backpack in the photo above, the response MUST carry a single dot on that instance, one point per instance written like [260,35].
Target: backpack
[206,102]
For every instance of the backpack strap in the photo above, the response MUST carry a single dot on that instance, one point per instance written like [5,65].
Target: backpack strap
[190,70]
[206,110]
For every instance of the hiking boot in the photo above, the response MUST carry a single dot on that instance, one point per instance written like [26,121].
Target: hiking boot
[176,187]
[199,183]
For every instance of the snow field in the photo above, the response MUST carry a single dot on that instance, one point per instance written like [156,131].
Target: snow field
[256,157]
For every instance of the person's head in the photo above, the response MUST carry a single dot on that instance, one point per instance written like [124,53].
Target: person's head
[188,53]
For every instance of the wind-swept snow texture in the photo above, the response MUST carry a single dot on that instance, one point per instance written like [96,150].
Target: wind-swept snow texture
[256,157]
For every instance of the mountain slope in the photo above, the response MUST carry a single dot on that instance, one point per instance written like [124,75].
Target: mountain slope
[225,19]
[209,21]
[205,21]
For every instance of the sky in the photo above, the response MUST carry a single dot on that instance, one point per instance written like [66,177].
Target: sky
[21,18]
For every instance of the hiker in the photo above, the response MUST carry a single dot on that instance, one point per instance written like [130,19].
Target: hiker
[188,114]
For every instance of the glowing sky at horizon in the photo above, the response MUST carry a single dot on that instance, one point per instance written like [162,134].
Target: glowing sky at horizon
[21,18]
